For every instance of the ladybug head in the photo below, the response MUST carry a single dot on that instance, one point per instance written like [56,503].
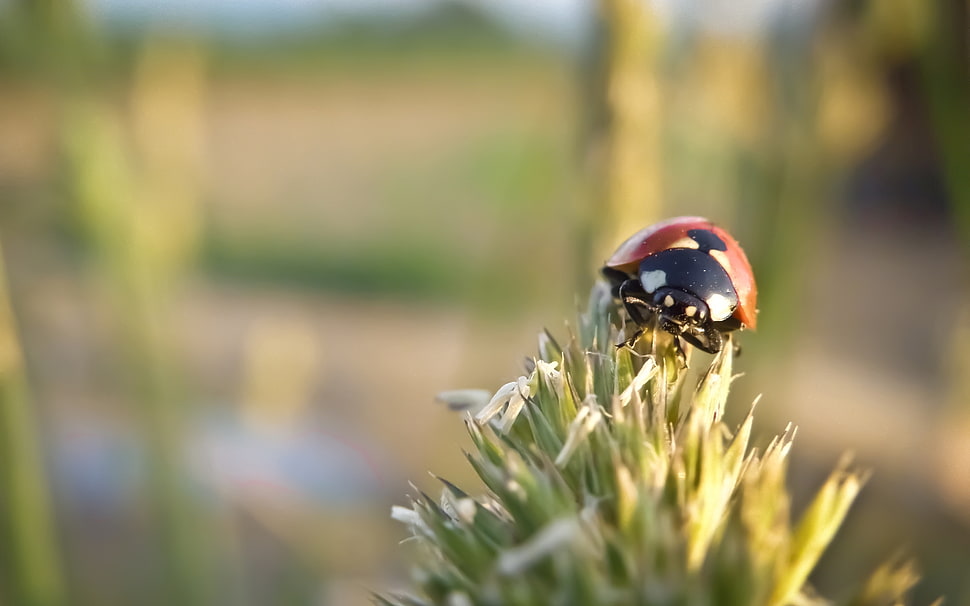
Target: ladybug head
[679,310]
[683,314]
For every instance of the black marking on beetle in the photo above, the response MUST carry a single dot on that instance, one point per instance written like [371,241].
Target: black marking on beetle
[692,271]
[707,240]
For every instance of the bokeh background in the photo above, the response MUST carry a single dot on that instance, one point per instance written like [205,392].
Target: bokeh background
[246,243]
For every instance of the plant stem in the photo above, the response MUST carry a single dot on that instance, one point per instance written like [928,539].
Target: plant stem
[32,547]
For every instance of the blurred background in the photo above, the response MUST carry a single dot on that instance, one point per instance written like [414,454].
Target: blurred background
[245,243]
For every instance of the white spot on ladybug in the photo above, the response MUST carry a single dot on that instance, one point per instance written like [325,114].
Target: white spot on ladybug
[720,307]
[690,311]
[652,280]
[668,301]
[721,257]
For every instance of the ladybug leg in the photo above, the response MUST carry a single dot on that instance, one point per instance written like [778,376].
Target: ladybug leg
[680,353]
[727,328]
[635,302]
[634,299]
[630,342]
[705,337]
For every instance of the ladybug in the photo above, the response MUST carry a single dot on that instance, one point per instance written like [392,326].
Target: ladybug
[687,275]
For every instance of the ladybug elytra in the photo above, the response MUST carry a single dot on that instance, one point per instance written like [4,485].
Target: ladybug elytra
[687,275]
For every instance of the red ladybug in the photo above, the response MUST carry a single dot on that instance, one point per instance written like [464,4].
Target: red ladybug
[688,275]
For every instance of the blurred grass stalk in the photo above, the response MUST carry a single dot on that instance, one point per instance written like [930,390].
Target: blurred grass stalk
[139,207]
[28,522]
[944,69]
[930,32]
[631,171]
[624,185]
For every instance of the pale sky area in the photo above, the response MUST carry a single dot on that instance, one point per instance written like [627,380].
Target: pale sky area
[561,19]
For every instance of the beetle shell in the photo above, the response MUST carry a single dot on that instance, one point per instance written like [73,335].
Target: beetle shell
[694,233]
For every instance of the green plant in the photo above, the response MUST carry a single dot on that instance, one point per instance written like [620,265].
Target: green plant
[612,479]
[29,550]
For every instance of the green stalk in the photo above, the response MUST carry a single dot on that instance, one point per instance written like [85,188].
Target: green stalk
[624,114]
[141,214]
[32,549]
[944,71]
